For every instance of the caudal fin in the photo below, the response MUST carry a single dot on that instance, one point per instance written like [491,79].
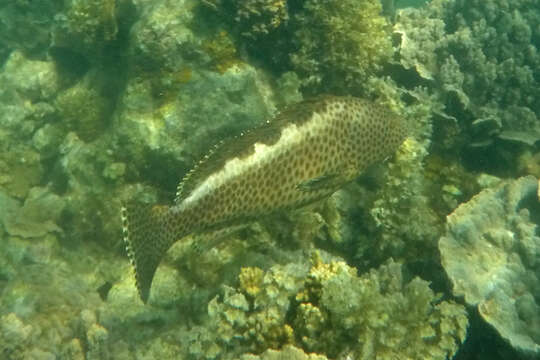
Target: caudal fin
[146,242]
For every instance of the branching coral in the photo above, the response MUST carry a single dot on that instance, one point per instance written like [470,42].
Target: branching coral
[254,317]
[482,56]
[378,315]
[332,311]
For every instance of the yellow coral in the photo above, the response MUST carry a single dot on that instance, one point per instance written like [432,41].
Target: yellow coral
[251,279]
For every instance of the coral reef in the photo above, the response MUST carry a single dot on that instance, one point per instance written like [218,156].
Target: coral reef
[160,38]
[86,28]
[85,108]
[14,336]
[336,313]
[255,18]
[399,235]
[490,252]
[102,101]
[37,217]
[481,56]
[27,88]
[340,43]
[25,26]
[374,315]
[331,45]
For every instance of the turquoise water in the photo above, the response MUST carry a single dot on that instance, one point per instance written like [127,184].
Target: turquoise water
[429,254]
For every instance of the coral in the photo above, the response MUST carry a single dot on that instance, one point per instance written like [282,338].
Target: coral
[14,336]
[26,25]
[161,39]
[37,217]
[319,223]
[529,163]
[97,337]
[481,56]
[490,252]
[336,313]
[259,17]
[375,315]
[257,322]
[85,108]
[288,89]
[21,169]
[254,18]
[222,51]
[27,88]
[25,78]
[339,43]
[74,350]
[85,27]
[251,280]
[209,107]
[415,232]
[331,45]
[288,352]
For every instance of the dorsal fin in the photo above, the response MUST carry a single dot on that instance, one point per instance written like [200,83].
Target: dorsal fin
[243,145]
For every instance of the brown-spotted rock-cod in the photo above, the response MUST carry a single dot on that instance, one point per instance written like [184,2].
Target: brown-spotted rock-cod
[305,154]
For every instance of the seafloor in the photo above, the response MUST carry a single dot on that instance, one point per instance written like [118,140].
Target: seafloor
[432,254]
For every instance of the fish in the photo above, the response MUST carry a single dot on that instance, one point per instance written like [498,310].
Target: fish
[306,153]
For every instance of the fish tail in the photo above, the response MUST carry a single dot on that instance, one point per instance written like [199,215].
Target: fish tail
[147,240]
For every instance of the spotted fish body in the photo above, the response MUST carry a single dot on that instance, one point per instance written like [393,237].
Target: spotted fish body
[305,154]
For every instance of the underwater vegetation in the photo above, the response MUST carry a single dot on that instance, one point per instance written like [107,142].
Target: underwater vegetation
[431,253]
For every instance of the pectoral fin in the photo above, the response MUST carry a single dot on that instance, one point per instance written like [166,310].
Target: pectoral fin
[328,181]
[324,182]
